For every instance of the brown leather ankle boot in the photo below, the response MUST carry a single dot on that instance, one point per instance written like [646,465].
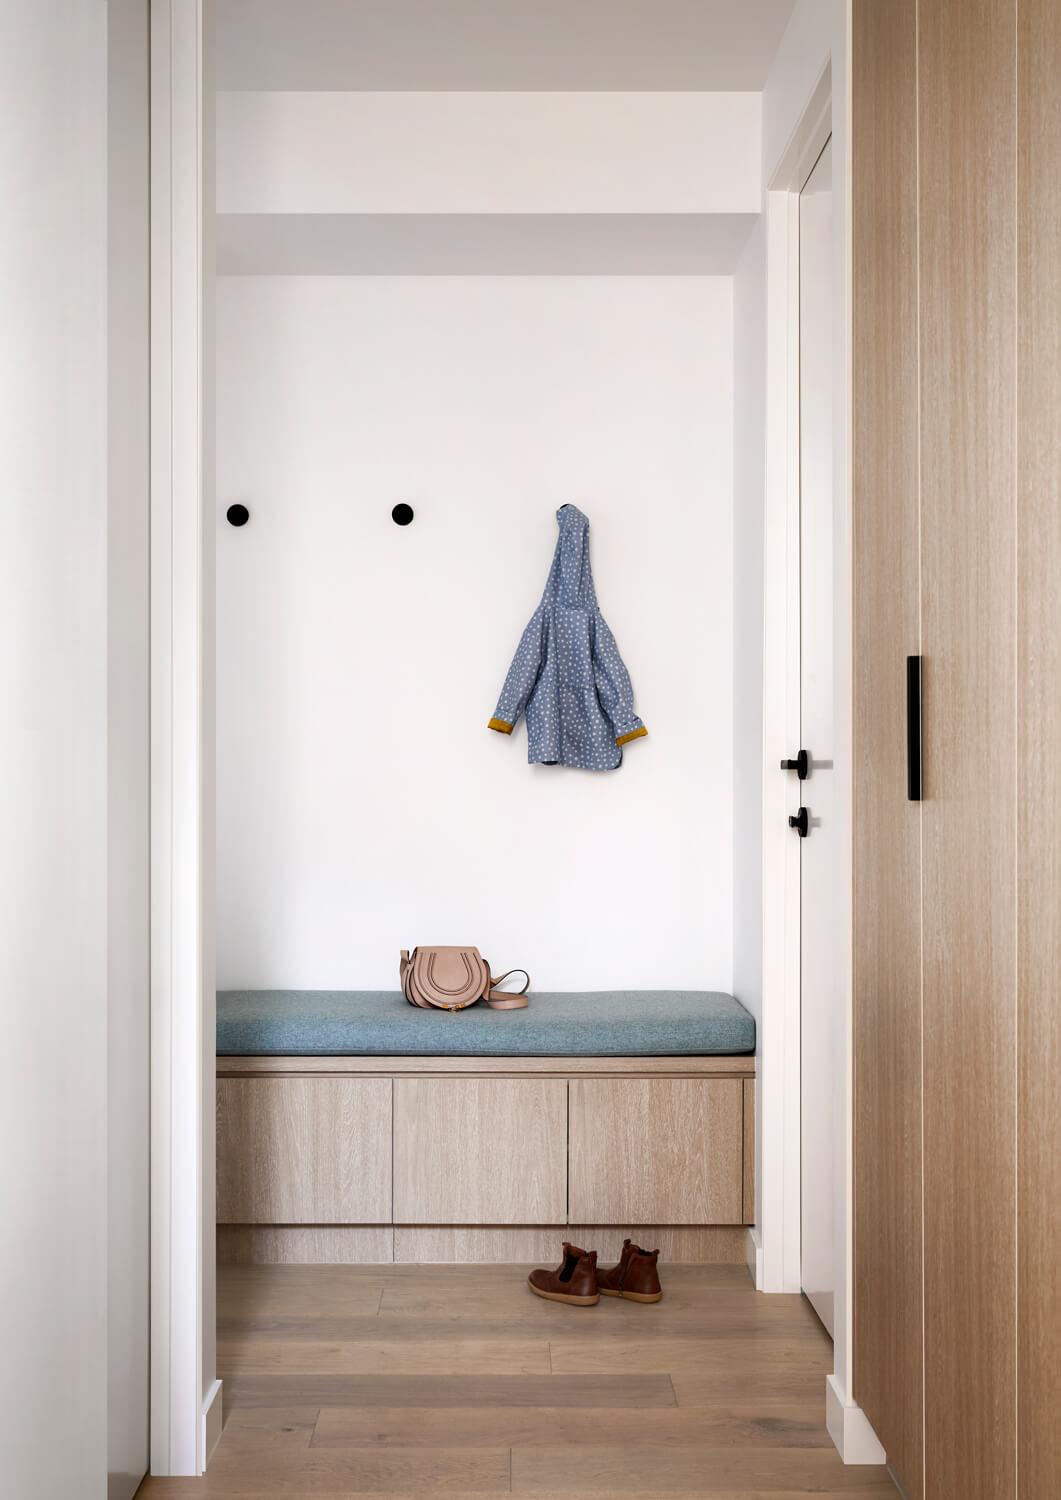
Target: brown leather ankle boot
[636,1277]
[574,1281]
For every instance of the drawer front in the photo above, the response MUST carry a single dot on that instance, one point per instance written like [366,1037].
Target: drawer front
[303,1150]
[657,1151]
[480,1151]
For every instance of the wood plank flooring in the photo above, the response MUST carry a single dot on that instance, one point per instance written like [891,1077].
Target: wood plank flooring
[405,1381]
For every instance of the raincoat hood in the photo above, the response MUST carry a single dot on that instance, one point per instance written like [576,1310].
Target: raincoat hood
[570,581]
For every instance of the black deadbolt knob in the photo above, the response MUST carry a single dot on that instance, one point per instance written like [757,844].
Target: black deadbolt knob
[237,515]
[402,514]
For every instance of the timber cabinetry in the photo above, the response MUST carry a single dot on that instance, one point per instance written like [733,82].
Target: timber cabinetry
[656,1150]
[364,1159]
[956,205]
[480,1150]
[303,1150]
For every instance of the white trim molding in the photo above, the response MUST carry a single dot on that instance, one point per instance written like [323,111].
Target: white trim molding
[849,1428]
[779,1218]
[753,1254]
[181,738]
[212,1419]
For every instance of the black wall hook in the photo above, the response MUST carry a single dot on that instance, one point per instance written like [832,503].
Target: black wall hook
[402,514]
[237,515]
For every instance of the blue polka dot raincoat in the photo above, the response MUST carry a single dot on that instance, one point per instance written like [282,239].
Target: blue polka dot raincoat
[567,675]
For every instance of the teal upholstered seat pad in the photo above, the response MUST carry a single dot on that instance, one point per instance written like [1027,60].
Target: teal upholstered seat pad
[374,1023]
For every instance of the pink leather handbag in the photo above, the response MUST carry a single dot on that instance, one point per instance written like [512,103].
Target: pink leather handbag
[453,978]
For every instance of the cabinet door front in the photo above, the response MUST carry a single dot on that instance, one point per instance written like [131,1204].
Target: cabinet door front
[656,1151]
[480,1151]
[303,1150]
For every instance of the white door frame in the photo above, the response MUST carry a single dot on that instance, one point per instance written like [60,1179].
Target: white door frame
[185,1396]
[185,1406]
[778,1253]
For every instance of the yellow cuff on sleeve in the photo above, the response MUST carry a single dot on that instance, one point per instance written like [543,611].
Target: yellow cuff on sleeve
[635,734]
[500,726]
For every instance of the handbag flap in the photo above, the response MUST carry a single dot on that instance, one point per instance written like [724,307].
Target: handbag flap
[450,976]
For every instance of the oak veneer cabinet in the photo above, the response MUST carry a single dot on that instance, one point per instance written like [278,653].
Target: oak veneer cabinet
[480,1150]
[657,1150]
[303,1150]
[956,133]
[358,1159]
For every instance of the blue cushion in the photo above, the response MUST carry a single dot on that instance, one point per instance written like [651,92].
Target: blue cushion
[374,1023]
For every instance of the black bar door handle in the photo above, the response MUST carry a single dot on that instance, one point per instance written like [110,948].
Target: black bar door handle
[913,728]
[800,822]
[801,765]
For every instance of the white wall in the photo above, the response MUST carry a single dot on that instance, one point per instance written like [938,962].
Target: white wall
[71,681]
[363,805]
[53,753]
[128,1101]
[464,153]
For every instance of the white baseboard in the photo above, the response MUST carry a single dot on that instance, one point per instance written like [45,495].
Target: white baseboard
[849,1428]
[753,1252]
[212,1420]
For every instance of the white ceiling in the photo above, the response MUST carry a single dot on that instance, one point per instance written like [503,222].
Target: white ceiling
[497,44]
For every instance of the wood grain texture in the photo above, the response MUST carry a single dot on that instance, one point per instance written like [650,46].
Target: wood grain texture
[303,1151]
[276,1289]
[762,1388]
[656,1151]
[480,1151]
[1039,739]
[255,1428]
[383,1356]
[691,1470]
[304,1245]
[793,1353]
[750,1423]
[886,846]
[475,1292]
[324,1471]
[703,1245]
[529,1426]
[967,266]
[474,1244]
[258,1389]
[487,1067]
[748,1147]
[509,1312]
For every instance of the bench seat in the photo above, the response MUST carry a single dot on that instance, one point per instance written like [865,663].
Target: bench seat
[375,1023]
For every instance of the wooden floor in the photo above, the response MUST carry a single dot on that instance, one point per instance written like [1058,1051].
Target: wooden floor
[404,1380]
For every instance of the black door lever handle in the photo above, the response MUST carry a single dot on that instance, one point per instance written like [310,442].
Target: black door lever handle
[800,822]
[801,765]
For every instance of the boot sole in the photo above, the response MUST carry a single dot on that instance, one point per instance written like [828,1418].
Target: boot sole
[633,1296]
[564,1297]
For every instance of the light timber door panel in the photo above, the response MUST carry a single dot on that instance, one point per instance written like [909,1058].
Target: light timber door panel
[480,1151]
[1039,755]
[967,209]
[303,1150]
[888,1381]
[656,1151]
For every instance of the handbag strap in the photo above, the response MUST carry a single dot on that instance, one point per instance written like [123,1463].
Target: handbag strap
[504,999]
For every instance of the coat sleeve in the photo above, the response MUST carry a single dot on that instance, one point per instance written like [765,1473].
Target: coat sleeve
[614,689]
[522,676]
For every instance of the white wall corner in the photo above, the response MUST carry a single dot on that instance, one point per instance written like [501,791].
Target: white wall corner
[849,1428]
[753,1253]
[212,1420]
